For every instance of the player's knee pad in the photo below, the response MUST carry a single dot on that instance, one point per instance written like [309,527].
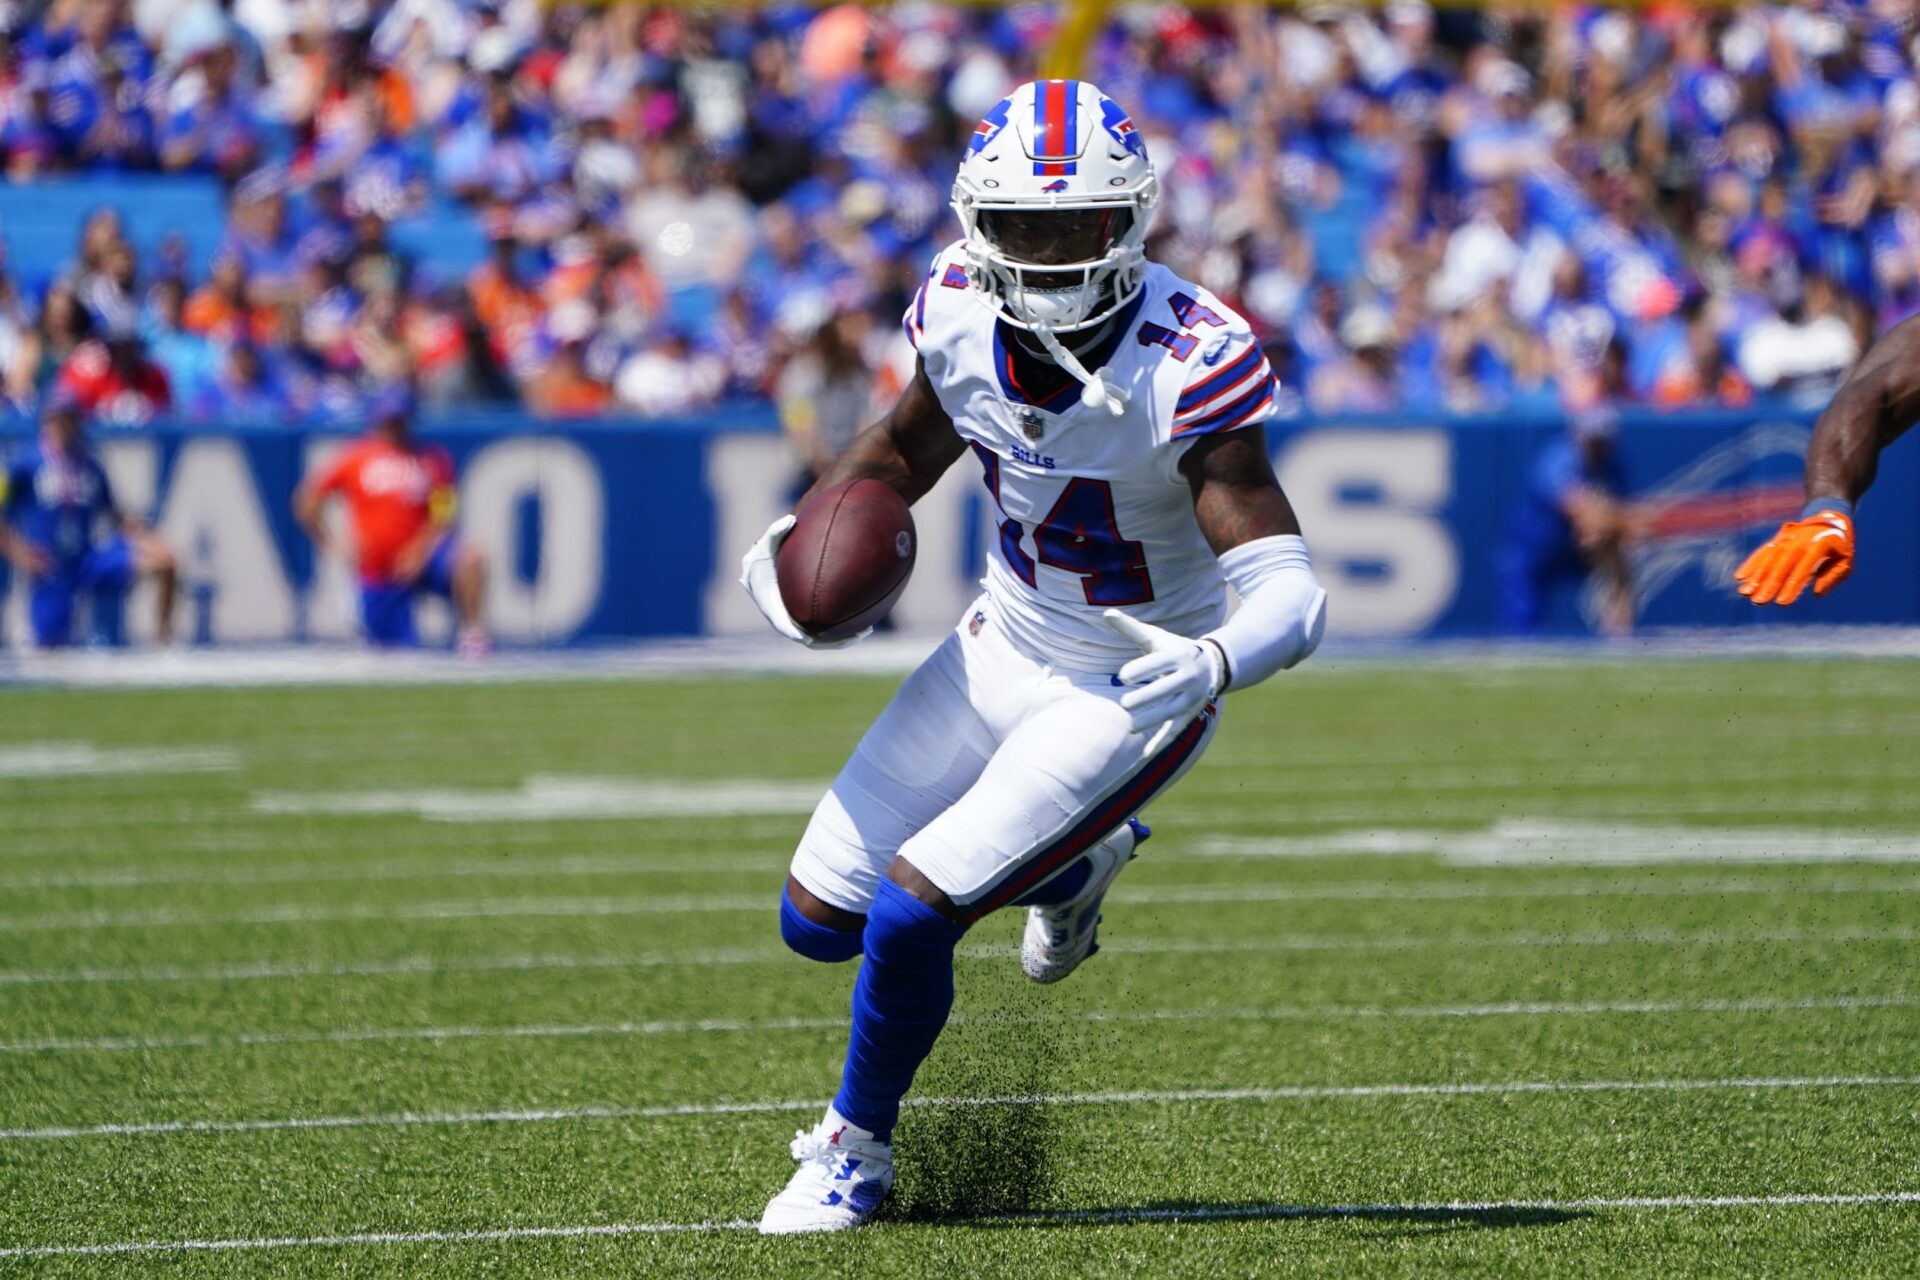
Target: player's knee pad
[906,932]
[814,940]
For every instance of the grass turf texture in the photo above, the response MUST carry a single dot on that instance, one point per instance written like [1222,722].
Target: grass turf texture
[246,966]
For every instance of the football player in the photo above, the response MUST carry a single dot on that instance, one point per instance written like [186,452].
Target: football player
[1115,412]
[400,496]
[1874,407]
[55,505]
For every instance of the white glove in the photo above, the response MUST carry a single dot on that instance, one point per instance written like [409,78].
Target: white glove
[759,576]
[1172,678]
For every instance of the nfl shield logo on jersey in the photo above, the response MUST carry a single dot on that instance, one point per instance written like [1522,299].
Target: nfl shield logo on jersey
[1032,425]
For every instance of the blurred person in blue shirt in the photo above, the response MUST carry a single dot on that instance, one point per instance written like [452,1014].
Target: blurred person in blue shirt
[1569,526]
[60,526]
[216,127]
[246,391]
[190,361]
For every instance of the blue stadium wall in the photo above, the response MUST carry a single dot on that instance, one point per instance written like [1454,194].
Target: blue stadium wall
[609,532]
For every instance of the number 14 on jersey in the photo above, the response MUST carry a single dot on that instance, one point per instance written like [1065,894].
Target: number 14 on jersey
[1079,536]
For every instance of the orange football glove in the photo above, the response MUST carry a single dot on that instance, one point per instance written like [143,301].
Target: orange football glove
[1818,549]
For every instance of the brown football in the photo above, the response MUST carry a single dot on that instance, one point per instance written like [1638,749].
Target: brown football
[847,558]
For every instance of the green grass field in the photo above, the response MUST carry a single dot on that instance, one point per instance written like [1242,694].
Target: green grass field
[1380,998]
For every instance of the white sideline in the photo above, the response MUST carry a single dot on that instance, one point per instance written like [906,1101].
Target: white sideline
[1201,1213]
[522,868]
[668,1027]
[1279,1093]
[1169,895]
[261,971]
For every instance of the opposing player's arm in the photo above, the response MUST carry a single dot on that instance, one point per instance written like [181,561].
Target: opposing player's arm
[909,449]
[1251,526]
[1876,405]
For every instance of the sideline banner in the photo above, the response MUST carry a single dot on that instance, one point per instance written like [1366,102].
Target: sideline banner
[616,531]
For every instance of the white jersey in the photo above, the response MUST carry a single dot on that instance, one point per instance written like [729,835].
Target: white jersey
[1092,511]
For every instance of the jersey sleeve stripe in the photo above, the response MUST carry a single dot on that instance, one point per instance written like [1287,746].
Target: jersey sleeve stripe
[1225,392]
[915,319]
[1240,412]
[1205,389]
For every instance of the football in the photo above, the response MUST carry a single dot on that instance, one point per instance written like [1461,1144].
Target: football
[847,558]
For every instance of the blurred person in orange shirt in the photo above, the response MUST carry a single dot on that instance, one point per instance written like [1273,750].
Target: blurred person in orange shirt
[565,387]
[504,302]
[400,501]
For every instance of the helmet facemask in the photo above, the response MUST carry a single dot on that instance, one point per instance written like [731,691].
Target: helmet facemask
[1055,269]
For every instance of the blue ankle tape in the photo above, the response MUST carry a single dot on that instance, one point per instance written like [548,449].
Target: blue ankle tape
[813,940]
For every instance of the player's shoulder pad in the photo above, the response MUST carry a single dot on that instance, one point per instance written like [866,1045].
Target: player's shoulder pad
[942,295]
[1228,383]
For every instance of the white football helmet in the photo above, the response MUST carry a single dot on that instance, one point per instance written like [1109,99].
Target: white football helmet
[1054,195]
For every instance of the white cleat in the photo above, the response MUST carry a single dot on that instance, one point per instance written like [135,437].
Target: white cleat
[1059,938]
[843,1178]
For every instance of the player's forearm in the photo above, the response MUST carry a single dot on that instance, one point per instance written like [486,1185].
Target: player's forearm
[1236,499]
[306,514]
[1878,402]
[909,449]
[873,455]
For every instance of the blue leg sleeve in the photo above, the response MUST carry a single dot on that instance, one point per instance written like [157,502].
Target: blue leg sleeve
[813,940]
[900,1003]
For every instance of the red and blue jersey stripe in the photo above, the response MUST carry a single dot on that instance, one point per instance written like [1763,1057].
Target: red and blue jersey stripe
[1227,397]
[1056,128]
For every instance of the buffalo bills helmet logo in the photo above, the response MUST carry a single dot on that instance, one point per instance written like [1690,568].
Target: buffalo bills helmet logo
[990,126]
[1120,127]
[1058,184]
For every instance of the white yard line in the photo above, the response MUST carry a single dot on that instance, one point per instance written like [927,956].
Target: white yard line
[1168,895]
[610,1229]
[246,839]
[408,1119]
[52,761]
[1524,843]
[704,1026]
[504,868]
[1196,1213]
[548,798]
[256,971]
[1413,808]
[1540,842]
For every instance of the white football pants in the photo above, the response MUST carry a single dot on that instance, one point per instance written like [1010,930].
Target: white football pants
[989,771]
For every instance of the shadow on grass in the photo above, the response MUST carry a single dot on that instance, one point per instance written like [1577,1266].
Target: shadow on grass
[1412,1219]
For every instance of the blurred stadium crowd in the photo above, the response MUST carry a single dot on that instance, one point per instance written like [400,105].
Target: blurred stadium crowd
[1503,208]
